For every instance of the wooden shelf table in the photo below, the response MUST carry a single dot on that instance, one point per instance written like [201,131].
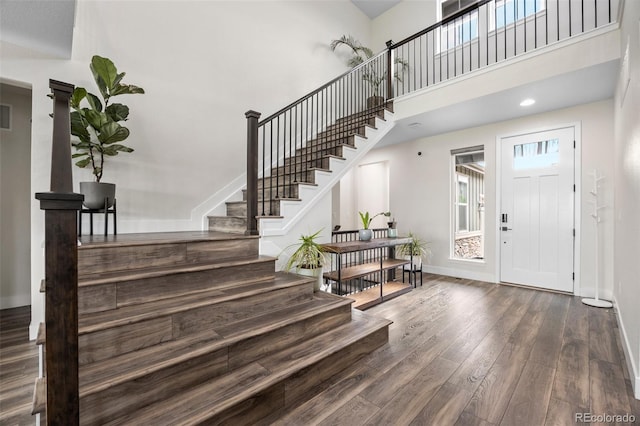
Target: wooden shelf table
[379,265]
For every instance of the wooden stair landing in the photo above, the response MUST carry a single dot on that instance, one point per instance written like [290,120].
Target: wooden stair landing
[190,327]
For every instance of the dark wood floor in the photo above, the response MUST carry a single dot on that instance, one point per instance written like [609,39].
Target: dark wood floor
[469,353]
[460,352]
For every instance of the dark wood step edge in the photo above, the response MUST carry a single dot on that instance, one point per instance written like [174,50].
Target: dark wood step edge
[215,345]
[144,273]
[184,303]
[39,403]
[229,395]
[41,337]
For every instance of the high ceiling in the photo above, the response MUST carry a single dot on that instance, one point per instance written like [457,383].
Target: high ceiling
[37,27]
[374,8]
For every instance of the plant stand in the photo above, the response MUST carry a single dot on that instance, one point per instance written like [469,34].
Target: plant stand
[597,302]
[106,210]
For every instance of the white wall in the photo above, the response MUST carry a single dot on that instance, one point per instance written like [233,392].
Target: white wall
[203,64]
[627,195]
[404,19]
[420,188]
[15,170]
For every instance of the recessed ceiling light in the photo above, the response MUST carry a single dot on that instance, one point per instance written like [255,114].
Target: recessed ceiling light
[527,102]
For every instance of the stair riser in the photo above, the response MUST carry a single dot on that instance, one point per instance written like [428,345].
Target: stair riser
[92,260]
[234,225]
[209,317]
[161,384]
[300,167]
[289,191]
[288,179]
[321,152]
[258,347]
[101,407]
[292,391]
[115,341]
[342,132]
[272,209]
[353,123]
[359,116]
[300,163]
[316,151]
[104,297]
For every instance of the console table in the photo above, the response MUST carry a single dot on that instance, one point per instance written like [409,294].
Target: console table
[383,289]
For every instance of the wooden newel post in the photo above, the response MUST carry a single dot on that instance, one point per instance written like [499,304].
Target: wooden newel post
[61,207]
[390,69]
[252,172]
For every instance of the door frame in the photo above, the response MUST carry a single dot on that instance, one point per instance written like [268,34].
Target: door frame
[577,199]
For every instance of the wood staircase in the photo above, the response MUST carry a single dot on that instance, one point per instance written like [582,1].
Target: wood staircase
[304,168]
[196,327]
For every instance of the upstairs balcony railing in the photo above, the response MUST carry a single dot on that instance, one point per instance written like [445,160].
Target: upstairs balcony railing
[285,147]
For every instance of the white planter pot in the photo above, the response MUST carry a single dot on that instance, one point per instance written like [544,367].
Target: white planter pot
[316,273]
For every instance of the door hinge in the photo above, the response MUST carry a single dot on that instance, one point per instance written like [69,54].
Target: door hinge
[573,276]
[574,232]
[574,144]
[574,187]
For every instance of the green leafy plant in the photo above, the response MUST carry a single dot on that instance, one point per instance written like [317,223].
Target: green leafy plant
[97,126]
[370,73]
[416,248]
[309,254]
[366,219]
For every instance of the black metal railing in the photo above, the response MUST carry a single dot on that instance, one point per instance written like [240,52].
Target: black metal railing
[287,146]
[489,32]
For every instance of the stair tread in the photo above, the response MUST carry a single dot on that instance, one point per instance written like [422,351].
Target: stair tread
[96,321]
[42,333]
[138,274]
[141,239]
[105,374]
[214,397]
[39,402]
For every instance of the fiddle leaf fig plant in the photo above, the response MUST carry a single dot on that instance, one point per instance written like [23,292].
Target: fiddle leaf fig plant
[97,125]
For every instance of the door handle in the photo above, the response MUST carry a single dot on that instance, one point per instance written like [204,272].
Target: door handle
[504,228]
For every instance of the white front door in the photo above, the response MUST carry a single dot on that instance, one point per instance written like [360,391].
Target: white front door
[537,212]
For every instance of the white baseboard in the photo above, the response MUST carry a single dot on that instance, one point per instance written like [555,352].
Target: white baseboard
[633,369]
[460,273]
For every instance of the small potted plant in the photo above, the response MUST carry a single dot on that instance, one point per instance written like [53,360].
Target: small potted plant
[98,129]
[392,232]
[416,250]
[365,233]
[308,258]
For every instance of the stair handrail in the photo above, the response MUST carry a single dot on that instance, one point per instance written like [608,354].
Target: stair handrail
[472,38]
[61,207]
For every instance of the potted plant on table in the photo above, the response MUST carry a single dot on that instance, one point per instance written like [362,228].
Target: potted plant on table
[98,129]
[416,250]
[365,233]
[372,74]
[308,258]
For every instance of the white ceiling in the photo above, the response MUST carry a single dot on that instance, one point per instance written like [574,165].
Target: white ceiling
[374,8]
[586,85]
[37,27]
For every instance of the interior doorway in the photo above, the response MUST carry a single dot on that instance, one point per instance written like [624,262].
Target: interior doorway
[15,196]
[537,212]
